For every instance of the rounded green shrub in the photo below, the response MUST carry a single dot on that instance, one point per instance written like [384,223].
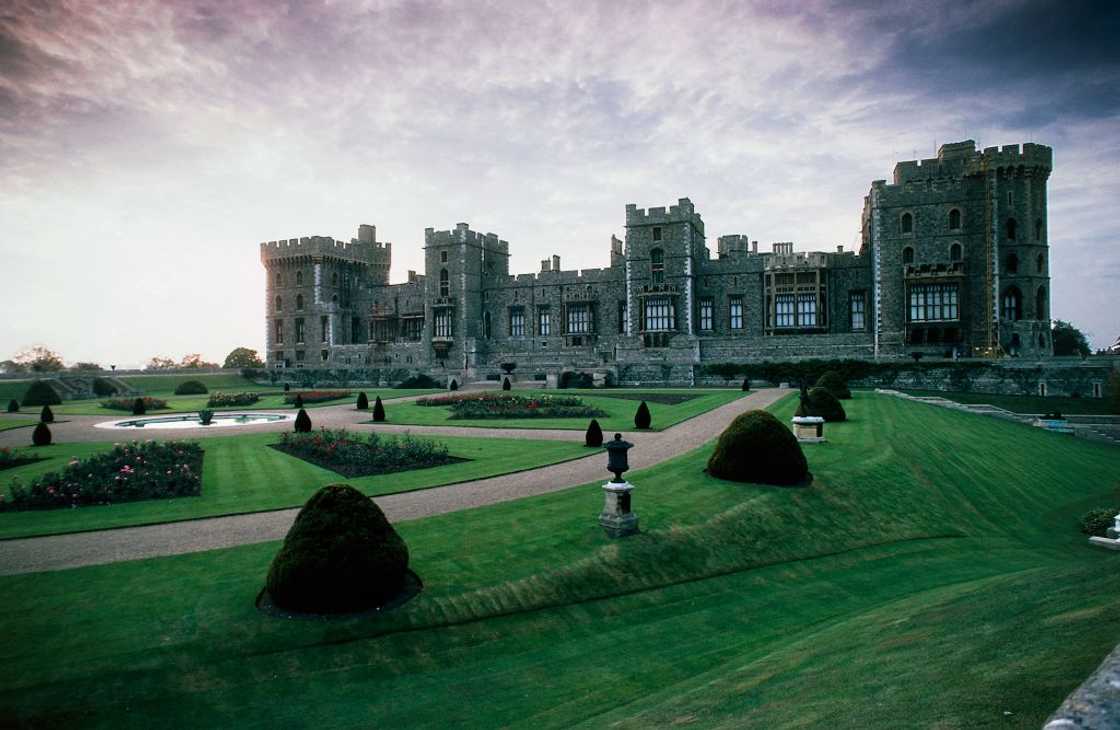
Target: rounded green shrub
[378,410]
[642,419]
[594,435]
[138,407]
[46,415]
[822,403]
[41,436]
[13,406]
[340,555]
[363,401]
[419,381]
[303,422]
[835,383]
[757,447]
[41,393]
[191,387]
[505,384]
[1096,522]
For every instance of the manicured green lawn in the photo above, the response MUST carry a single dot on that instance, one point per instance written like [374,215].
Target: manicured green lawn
[8,423]
[620,411]
[1028,403]
[242,474]
[270,400]
[932,576]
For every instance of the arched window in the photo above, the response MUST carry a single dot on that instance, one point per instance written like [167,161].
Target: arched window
[299,278]
[657,266]
[334,279]
[955,252]
[908,255]
[1038,230]
[279,306]
[907,223]
[954,220]
[1040,303]
[1040,264]
[1011,229]
[1012,264]
[299,301]
[279,279]
[444,284]
[1012,304]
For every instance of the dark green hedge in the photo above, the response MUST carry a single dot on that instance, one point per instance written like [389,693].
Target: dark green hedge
[757,447]
[41,393]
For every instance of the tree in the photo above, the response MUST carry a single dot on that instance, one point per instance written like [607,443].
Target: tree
[86,367]
[194,361]
[39,359]
[41,436]
[303,422]
[363,401]
[46,415]
[160,363]
[11,366]
[378,410]
[13,406]
[642,418]
[505,384]
[1068,340]
[594,435]
[243,357]
[41,393]
[138,407]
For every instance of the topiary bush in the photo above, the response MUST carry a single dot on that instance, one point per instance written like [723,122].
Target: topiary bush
[340,555]
[594,435]
[378,410]
[303,422]
[418,381]
[297,402]
[138,407]
[454,385]
[205,416]
[46,415]
[834,383]
[42,435]
[13,406]
[363,401]
[505,384]
[1096,522]
[642,418]
[822,403]
[191,387]
[103,387]
[757,447]
[746,385]
[287,387]
[41,393]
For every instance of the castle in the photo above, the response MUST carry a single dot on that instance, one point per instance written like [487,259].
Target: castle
[953,260]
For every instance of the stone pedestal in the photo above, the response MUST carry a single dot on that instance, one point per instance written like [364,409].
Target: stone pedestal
[616,517]
[808,429]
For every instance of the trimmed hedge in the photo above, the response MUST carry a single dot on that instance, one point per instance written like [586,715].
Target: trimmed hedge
[129,404]
[13,406]
[41,393]
[103,387]
[340,555]
[232,400]
[378,410]
[42,435]
[824,404]
[419,381]
[363,401]
[46,415]
[756,447]
[594,435]
[1096,522]
[642,418]
[303,422]
[834,383]
[191,387]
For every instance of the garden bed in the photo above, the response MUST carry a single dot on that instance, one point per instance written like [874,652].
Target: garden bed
[491,405]
[10,459]
[232,400]
[666,399]
[353,455]
[316,396]
[127,404]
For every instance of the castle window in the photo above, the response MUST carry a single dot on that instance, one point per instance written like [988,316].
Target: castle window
[299,302]
[1097,389]
[857,302]
[486,325]
[735,312]
[444,284]
[657,265]
[1012,304]
[544,322]
[279,279]
[334,279]
[807,310]
[579,318]
[279,338]
[907,223]
[299,331]
[1040,264]
[707,307]
[1040,303]
[934,303]
[657,233]
[517,322]
[443,323]
[324,329]
[1011,229]
[412,328]
[279,305]
[1012,264]
[954,220]
[955,252]
[1010,199]
[443,256]
[621,316]
[299,278]
[324,355]
[1038,230]
[783,310]
[659,315]
[356,330]
[300,354]
[908,255]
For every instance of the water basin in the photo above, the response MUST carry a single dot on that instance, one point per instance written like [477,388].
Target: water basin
[190,420]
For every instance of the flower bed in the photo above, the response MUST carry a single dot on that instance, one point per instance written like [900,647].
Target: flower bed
[316,396]
[128,473]
[232,400]
[125,404]
[492,405]
[353,455]
[10,458]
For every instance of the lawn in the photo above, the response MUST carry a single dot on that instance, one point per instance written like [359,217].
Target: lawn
[271,399]
[1029,403]
[932,576]
[619,405]
[9,423]
[243,474]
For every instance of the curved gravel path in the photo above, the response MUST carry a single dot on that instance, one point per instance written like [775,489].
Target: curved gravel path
[56,552]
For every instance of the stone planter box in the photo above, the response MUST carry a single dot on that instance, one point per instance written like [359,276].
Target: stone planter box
[808,429]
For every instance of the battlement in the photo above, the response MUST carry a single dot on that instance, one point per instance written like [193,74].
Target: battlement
[958,159]
[462,233]
[1010,155]
[365,249]
[682,212]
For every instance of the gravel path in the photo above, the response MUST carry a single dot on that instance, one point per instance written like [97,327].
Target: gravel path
[129,543]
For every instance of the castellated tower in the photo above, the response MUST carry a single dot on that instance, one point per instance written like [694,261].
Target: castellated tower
[316,297]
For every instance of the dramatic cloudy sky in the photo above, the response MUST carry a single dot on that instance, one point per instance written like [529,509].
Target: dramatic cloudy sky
[147,147]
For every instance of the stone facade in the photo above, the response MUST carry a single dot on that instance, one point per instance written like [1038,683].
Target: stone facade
[954,257]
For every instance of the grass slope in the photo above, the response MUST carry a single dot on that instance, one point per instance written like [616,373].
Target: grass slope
[933,576]
[1029,403]
[242,474]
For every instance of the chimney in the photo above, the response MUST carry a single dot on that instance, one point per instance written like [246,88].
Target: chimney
[754,246]
[555,262]
[411,276]
[367,233]
[839,249]
[546,266]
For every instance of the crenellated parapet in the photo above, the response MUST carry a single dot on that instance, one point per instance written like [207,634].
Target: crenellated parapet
[682,212]
[961,159]
[462,233]
[363,250]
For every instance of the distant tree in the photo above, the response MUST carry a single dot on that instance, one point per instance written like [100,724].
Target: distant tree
[243,357]
[194,361]
[378,410]
[86,367]
[11,366]
[1068,340]
[39,359]
[160,363]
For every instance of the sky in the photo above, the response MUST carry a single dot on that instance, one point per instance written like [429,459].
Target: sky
[147,148]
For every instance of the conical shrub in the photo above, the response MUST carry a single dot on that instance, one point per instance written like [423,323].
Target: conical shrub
[834,383]
[454,385]
[41,436]
[13,406]
[757,447]
[505,384]
[340,555]
[378,410]
[363,401]
[746,385]
[298,402]
[138,407]
[641,417]
[46,415]
[822,403]
[303,422]
[287,387]
[594,435]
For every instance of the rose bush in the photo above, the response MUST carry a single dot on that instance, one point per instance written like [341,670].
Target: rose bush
[495,405]
[356,455]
